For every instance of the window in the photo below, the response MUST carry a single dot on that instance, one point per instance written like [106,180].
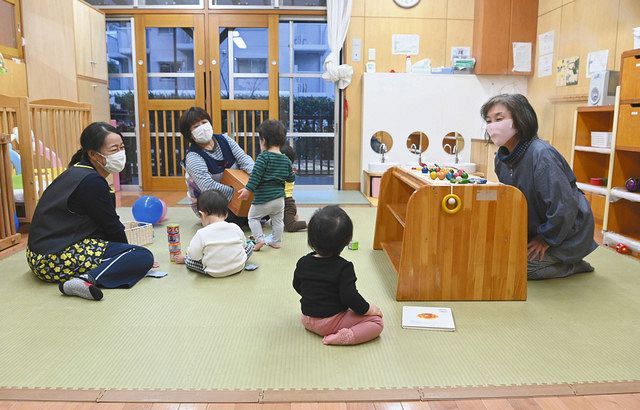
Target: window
[307,102]
[157,4]
[122,92]
[269,4]
[10,30]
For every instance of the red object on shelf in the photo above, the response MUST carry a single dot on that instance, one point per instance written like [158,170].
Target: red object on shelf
[623,249]
[596,181]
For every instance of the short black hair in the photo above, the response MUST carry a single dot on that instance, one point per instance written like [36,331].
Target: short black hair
[288,150]
[330,230]
[273,133]
[212,202]
[190,117]
[525,120]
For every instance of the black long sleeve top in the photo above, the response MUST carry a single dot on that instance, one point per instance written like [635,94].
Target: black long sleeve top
[93,197]
[327,286]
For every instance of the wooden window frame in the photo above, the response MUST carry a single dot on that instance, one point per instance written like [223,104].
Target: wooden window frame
[15,52]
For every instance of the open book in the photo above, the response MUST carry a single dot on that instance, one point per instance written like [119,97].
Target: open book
[430,318]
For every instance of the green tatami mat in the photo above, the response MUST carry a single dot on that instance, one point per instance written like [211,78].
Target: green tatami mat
[187,331]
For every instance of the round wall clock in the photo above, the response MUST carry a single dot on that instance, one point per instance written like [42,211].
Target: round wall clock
[406,3]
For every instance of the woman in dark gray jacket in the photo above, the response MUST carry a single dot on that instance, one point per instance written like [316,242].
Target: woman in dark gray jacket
[560,222]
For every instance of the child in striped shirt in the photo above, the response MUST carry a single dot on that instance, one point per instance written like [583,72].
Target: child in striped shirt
[270,172]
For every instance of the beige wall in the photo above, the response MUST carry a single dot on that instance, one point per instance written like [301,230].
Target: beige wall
[580,26]
[441,24]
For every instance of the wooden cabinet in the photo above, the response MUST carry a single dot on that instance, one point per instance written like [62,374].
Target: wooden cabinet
[622,224]
[628,126]
[95,93]
[66,53]
[497,25]
[478,252]
[49,50]
[630,81]
[90,39]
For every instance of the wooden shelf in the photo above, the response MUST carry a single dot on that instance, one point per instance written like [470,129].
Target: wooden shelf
[632,241]
[598,150]
[628,149]
[622,193]
[569,98]
[596,108]
[600,190]
[399,211]
[394,252]
[630,101]
[411,220]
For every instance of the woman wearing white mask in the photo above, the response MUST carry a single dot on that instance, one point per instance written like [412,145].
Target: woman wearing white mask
[76,238]
[560,222]
[208,156]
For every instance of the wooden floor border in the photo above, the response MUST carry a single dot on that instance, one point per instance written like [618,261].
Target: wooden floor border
[317,395]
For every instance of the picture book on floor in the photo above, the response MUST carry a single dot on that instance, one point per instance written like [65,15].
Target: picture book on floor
[430,318]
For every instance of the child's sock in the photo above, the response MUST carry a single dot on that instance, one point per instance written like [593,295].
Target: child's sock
[343,336]
[82,288]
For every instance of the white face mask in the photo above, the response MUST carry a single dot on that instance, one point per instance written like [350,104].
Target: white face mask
[115,162]
[203,133]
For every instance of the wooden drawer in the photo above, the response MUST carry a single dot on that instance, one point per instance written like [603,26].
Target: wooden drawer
[628,126]
[630,82]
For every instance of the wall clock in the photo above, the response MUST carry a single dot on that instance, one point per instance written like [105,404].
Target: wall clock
[406,3]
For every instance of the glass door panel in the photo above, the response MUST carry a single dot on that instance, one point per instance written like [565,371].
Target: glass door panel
[244,70]
[307,102]
[172,79]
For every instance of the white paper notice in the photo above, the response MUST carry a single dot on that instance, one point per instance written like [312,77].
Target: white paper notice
[521,57]
[406,44]
[460,52]
[545,65]
[545,43]
[597,61]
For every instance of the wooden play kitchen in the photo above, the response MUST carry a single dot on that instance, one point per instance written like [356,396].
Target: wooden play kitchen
[452,241]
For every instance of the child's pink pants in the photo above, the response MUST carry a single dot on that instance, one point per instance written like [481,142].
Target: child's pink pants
[364,328]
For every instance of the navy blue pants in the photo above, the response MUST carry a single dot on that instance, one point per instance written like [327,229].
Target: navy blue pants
[122,266]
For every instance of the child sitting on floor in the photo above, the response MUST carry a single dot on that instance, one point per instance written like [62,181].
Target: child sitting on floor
[291,222]
[219,248]
[270,172]
[331,304]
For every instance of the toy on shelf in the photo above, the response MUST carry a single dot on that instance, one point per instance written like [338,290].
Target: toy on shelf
[598,181]
[632,184]
[623,249]
[452,175]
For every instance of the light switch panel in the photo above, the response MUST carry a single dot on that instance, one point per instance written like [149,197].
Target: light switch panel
[356,49]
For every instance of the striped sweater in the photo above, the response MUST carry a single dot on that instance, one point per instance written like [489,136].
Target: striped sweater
[270,172]
[198,172]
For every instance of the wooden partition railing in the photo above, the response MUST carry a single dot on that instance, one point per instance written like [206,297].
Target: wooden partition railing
[49,134]
[242,126]
[14,112]
[56,127]
[8,234]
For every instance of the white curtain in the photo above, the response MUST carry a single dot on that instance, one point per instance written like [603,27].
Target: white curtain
[338,17]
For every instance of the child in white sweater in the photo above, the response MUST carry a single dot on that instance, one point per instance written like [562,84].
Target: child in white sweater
[219,248]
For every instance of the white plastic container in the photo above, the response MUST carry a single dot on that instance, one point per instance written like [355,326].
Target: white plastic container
[601,139]
[407,64]
[636,37]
